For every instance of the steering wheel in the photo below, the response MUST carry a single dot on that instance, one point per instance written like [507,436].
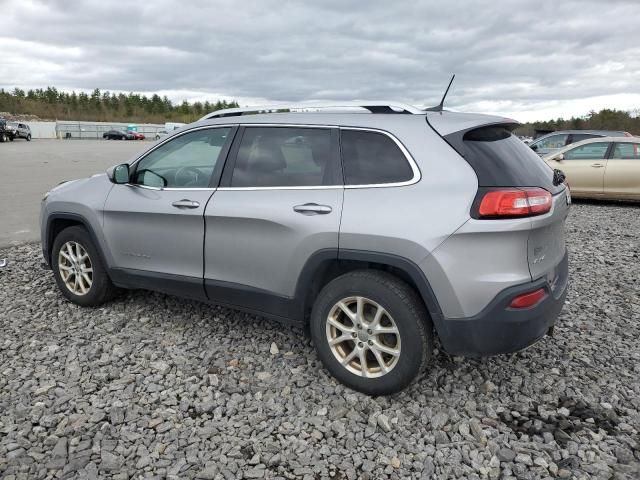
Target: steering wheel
[187,176]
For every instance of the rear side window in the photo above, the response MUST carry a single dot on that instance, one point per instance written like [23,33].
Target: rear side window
[285,157]
[627,151]
[500,159]
[372,158]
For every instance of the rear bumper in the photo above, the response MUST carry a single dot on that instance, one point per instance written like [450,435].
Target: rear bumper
[501,329]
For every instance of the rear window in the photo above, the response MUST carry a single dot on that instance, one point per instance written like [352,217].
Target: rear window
[372,158]
[500,159]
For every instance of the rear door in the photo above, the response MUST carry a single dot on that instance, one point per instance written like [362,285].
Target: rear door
[279,203]
[584,167]
[622,173]
[155,224]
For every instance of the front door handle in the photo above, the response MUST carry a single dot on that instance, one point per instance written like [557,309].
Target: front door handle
[184,203]
[312,209]
[597,165]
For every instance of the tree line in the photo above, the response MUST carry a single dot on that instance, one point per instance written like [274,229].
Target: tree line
[103,106]
[99,106]
[606,119]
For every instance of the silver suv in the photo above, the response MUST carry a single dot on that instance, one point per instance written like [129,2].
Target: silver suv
[379,227]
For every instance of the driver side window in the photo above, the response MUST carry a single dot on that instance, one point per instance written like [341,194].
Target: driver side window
[186,161]
[554,141]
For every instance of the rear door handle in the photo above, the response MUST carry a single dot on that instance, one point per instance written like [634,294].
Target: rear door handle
[312,209]
[597,165]
[184,203]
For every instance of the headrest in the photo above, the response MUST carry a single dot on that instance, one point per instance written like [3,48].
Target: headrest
[266,156]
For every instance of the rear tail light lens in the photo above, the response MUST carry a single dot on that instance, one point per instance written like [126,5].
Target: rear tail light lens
[516,202]
[527,300]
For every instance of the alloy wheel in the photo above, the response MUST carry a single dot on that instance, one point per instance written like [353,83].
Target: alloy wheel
[363,337]
[76,270]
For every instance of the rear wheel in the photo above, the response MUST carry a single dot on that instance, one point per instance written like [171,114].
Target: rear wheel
[371,331]
[78,269]
[28,137]
[3,137]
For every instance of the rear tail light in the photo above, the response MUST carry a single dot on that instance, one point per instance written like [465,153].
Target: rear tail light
[527,300]
[513,202]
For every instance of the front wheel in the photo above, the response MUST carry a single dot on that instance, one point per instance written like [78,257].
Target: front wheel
[29,138]
[78,268]
[371,331]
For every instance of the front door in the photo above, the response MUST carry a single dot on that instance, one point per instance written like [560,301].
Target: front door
[584,167]
[155,224]
[279,203]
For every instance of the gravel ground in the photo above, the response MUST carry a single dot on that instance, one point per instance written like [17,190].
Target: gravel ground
[155,386]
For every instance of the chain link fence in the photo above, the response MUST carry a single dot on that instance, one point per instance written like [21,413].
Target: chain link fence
[94,130]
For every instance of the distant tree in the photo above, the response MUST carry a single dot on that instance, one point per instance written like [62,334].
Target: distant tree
[51,103]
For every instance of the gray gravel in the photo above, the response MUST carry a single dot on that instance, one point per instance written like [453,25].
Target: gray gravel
[155,386]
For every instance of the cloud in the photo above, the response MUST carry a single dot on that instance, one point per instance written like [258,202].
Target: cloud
[519,58]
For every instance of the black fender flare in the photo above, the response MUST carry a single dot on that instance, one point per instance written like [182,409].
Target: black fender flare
[407,266]
[47,240]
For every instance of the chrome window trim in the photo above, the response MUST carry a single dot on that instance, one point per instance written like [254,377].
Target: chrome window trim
[417,175]
[311,187]
[172,189]
[171,137]
[167,139]
[412,163]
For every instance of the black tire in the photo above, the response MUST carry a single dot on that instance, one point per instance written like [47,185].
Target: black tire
[408,312]
[29,138]
[3,137]
[12,138]
[101,289]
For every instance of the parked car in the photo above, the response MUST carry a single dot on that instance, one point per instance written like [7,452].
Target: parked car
[377,231]
[118,135]
[136,135]
[6,132]
[606,167]
[553,142]
[19,130]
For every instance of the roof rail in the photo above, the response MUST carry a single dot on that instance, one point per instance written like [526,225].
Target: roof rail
[371,107]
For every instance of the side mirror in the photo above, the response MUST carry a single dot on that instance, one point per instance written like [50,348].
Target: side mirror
[119,174]
[533,147]
[559,158]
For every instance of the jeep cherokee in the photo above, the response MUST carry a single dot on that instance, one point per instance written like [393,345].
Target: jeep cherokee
[378,227]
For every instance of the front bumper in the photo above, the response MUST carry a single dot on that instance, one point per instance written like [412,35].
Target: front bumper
[502,329]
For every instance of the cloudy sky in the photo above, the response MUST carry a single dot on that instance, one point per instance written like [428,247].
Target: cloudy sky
[526,59]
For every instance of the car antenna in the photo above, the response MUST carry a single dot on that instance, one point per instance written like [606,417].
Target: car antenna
[440,106]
